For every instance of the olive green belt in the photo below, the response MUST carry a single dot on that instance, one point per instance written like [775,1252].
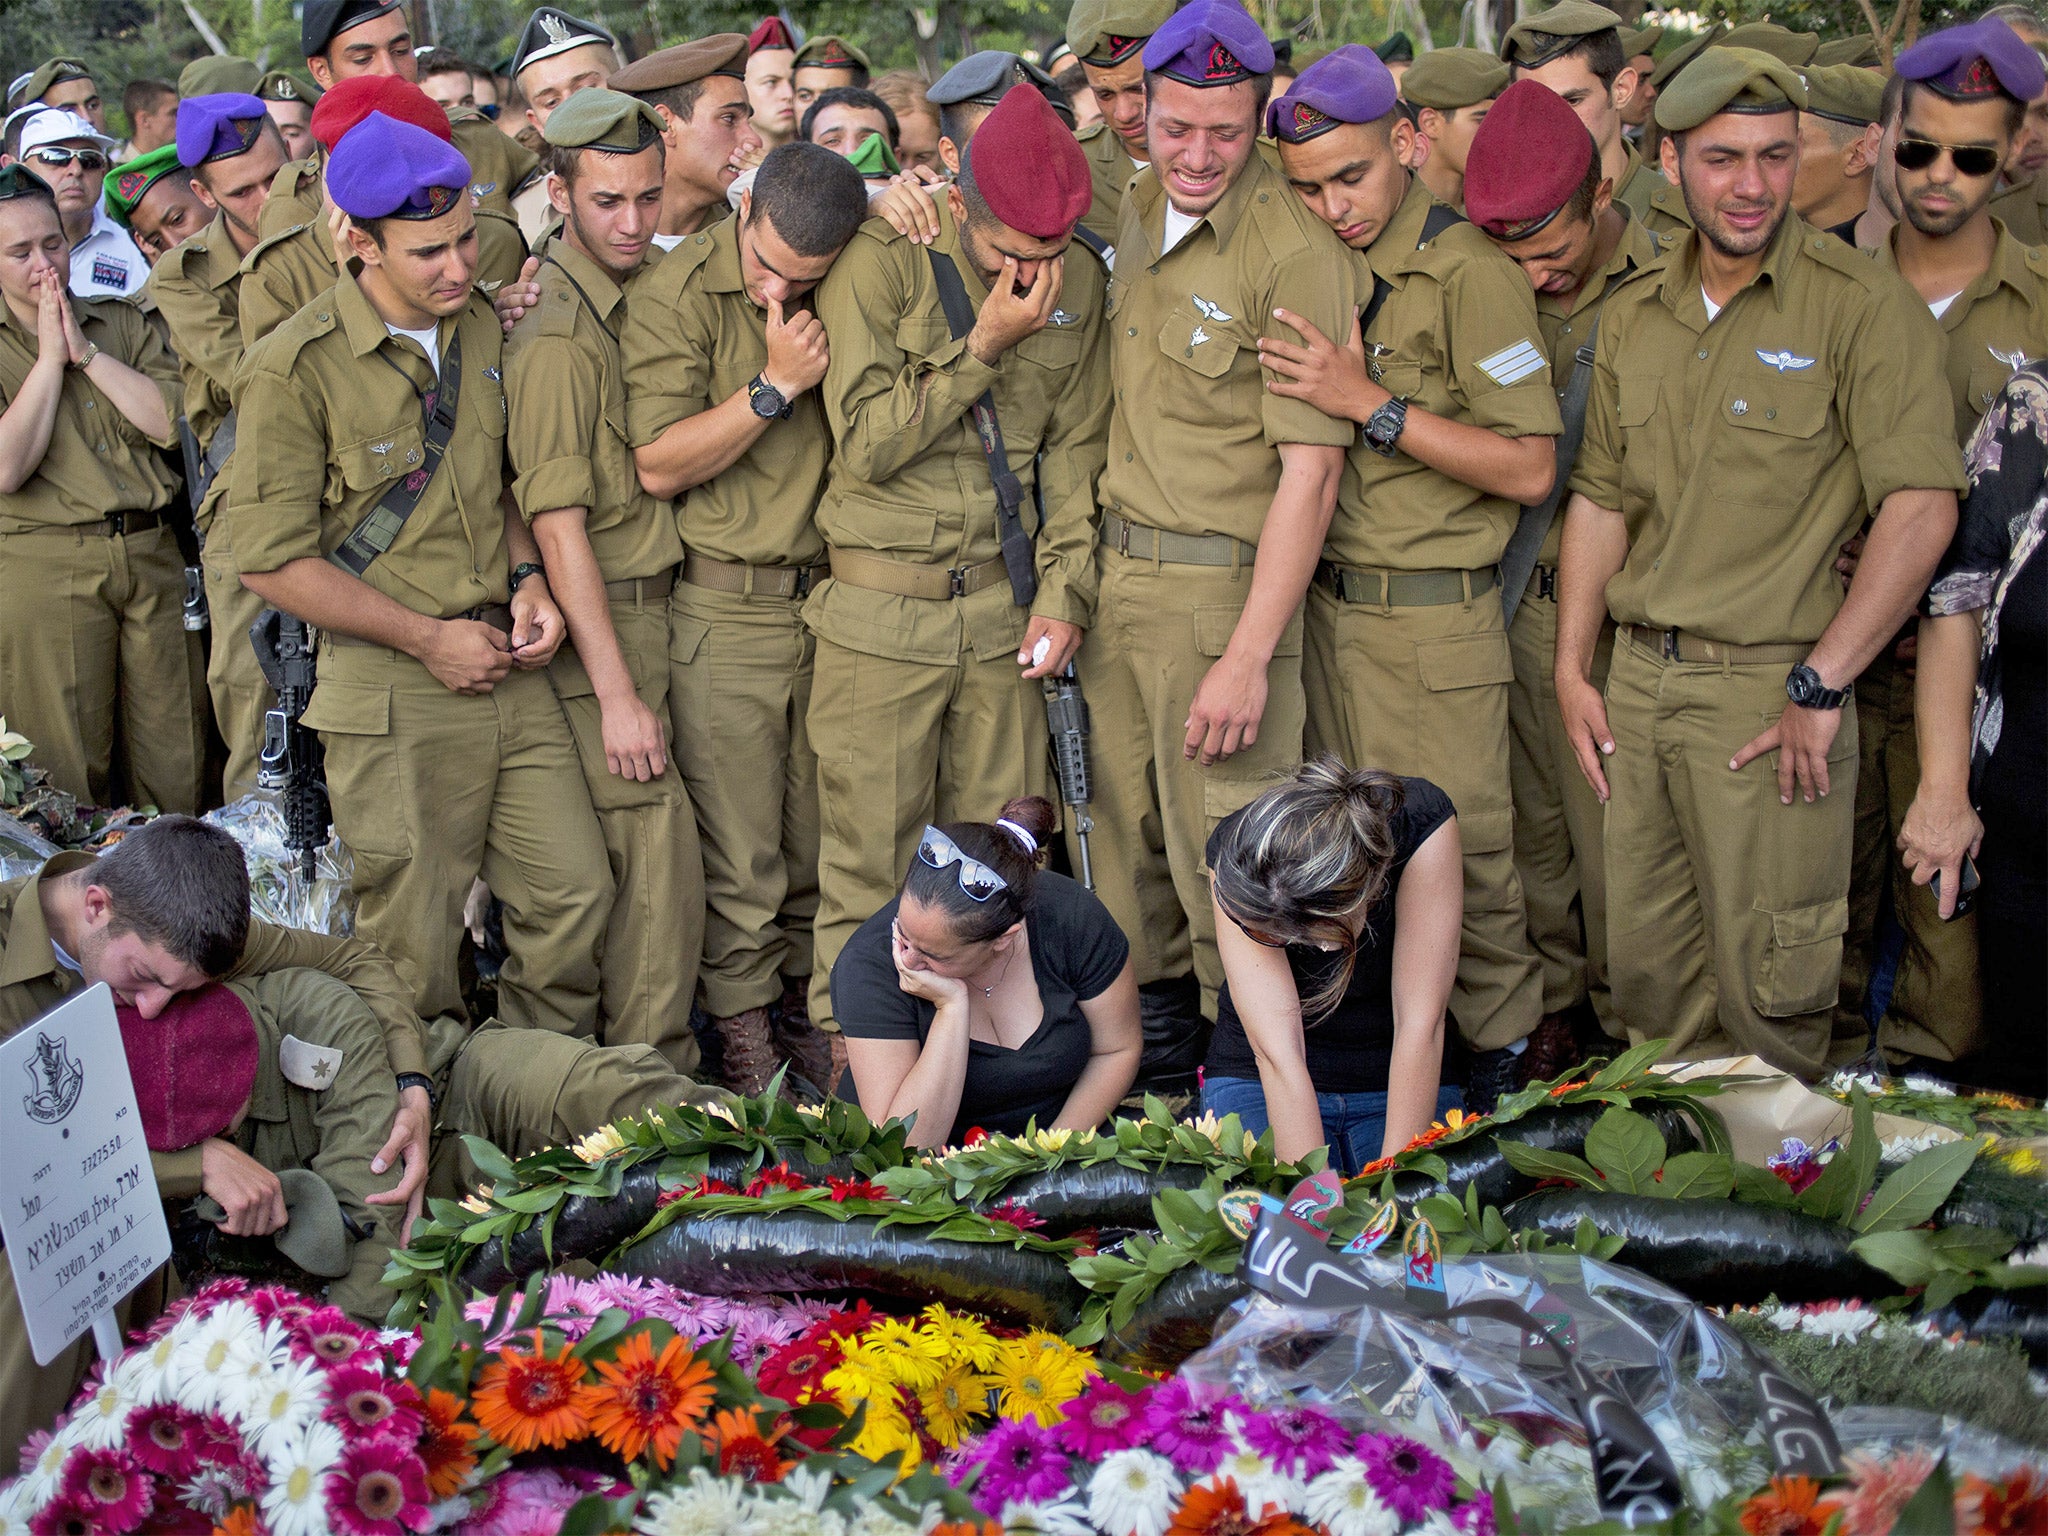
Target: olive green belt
[935,583]
[642,589]
[497,615]
[112,526]
[1677,645]
[1156,544]
[791,581]
[1405,589]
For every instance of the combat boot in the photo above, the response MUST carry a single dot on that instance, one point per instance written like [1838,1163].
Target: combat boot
[800,1042]
[749,1059]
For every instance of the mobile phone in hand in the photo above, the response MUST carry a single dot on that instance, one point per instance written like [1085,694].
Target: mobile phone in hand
[1966,897]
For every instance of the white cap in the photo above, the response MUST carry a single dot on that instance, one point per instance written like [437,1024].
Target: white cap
[57,126]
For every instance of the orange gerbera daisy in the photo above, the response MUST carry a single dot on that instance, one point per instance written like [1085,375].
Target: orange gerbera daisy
[740,1447]
[447,1443]
[1220,1511]
[647,1399]
[239,1521]
[1786,1508]
[2017,1506]
[526,1401]
[967,1528]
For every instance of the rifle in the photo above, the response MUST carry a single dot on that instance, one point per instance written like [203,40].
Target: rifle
[1066,712]
[291,753]
[195,616]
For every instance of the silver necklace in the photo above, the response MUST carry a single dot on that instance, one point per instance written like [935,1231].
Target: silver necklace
[989,991]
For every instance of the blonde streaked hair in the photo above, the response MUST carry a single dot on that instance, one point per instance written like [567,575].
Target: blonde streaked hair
[1305,858]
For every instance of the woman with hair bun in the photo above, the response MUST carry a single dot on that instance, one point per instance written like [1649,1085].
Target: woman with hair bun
[1339,895]
[989,993]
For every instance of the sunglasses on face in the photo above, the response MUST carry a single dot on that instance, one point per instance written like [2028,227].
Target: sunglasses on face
[88,159]
[977,880]
[1972,160]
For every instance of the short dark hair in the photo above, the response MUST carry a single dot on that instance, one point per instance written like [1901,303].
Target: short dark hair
[979,214]
[146,96]
[861,100]
[1602,52]
[1581,205]
[2015,109]
[1262,88]
[180,883]
[1002,850]
[1891,102]
[566,161]
[443,61]
[681,100]
[814,198]
[953,125]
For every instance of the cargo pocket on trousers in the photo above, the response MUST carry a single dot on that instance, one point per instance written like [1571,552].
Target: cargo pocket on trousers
[365,780]
[1215,623]
[1801,971]
[1221,797]
[1456,663]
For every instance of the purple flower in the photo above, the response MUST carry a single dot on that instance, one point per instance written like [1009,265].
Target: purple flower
[1101,1420]
[1190,1429]
[1474,1517]
[1410,1479]
[1301,1442]
[1019,1465]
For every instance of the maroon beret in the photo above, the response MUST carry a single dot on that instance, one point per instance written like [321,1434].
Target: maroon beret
[193,1065]
[1527,159]
[770,32]
[358,96]
[1028,166]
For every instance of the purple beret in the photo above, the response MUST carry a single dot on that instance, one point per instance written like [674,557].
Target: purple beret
[1350,85]
[217,127]
[1527,160]
[382,168]
[1209,42]
[1983,58]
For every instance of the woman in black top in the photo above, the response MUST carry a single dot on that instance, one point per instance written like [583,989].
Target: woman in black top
[1339,897]
[987,993]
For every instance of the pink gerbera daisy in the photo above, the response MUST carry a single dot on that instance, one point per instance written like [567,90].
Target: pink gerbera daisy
[1102,1420]
[363,1404]
[109,1486]
[331,1336]
[1191,1429]
[380,1489]
[1298,1441]
[1019,1465]
[1410,1478]
[67,1517]
[164,1438]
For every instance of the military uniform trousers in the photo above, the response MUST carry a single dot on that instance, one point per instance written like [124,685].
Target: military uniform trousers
[739,689]
[93,651]
[1557,818]
[655,935]
[241,696]
[431,788]
[901,744]
[1423,691]
[1725,907]
[1937,998]
[1159,628]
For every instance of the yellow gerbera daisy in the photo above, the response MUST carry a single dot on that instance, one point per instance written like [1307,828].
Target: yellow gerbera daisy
[955,1404]
[965,1339]
[1034,1382]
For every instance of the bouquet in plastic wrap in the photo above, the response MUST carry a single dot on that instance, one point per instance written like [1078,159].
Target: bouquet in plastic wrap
[278,892]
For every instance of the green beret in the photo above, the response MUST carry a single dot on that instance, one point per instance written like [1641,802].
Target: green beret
[828,52]
[1779,42]
[283,85]
[1106,33]
[1672,62]
[1729,80]
[128,182]
[219,74]
[1535,40]
[1860,50]
[53,72]
[1641,41]
[874,158]
[1847,93]
[1449,78]
[601,119]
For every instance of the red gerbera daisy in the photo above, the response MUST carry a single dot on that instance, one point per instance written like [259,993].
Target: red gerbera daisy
[744,1450]
[2018,1507]
[781,1176]
[108,1486]
[164,1438]
[854,1189]
[1022,1217]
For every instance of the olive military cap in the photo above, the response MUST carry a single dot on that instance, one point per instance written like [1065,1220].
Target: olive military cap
[1843,93]
[1641,40]
[829,52]
[219,74]
[1108,32]
[53,72]
[1860,51]
[601,119]
[1668,67]
[1729,80]
[1535,40]
[1449,78]
[283,85]
[1779,42]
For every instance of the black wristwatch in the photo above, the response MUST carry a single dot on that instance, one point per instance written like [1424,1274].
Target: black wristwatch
[1804,688]
[767,400]
[1384,426]
[520,572]
[420,1079]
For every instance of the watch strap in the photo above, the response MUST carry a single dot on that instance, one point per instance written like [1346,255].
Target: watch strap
[419,1080]
[523,570]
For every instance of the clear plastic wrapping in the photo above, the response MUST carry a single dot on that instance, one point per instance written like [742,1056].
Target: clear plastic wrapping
[278,893]
[22,848]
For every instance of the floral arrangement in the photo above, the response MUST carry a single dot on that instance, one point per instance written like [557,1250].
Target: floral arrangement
[755,1326]
[1926,1098]
[1904,1494]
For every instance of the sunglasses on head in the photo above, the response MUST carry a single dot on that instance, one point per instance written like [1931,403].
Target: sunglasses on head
[1972,160]
[977,880]
[51,154]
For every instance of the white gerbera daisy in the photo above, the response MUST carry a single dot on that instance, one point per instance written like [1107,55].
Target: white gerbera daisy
[1263,1485]
[279,1406]
[37,1485]
[1934,1087]
[1839,1325]
[205,1363]
[294,1504]
[704,1506]
[1060,1517]
[101,1420]
[1344,1501]
[246,1380]
[1133,1493]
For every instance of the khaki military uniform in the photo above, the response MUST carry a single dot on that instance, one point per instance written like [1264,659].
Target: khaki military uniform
[740,656]
[1193,454]
[2023,209]
[429,787]
[919,711]
[565,391]
[92,637]
[1741,453]
[1110,169]
[1557,815]
[1654,201]
[32,982]
[294,197]
[534,211]
[499,165]
[1936,1006]
[197,291]
[1407,666]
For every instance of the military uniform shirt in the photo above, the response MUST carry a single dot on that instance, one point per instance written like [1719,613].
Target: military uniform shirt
[1647,195]
[908,479]
[335,401]
[294,197]
[1110,169]
[498,164]
[2024,209]
[196,285]
[98,460]
[1191,444]
[1743,453]
[1992,326]
[1456,337]
[565,390]
[692,338]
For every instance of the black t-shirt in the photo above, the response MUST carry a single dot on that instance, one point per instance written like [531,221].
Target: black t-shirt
[1077,951]
[1349,1049]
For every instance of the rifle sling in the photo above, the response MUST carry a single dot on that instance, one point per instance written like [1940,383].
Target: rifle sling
[380,527]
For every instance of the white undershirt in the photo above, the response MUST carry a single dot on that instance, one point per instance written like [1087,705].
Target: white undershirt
[669,242]
[1713,309]
[1177,226]
[429,340]
[65,960]
[1940,306]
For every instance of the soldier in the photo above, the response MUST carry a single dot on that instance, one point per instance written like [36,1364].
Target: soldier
[1539,194]
[289,101]
[2022,204]
[963,375]
[1407,663]
[904,92]
[1639,53]
[92,639]
[969,91]
[373,512]
[72,157]
[152,196]
[612,551]
[1109,37]
[771,91]
[1575,49]
[1963,95]
[1838,141]
[1397,52]
[1451,89]
[1753,365]
[1215,501]
[699,92]
[68,85]
[722,368]
[557,56]
[823,62]
[852,121]
[233,152]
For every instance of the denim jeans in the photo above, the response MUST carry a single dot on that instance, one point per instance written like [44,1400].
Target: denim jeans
[1354,1124]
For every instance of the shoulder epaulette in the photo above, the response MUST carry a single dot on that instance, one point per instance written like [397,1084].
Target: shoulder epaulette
[270,242]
